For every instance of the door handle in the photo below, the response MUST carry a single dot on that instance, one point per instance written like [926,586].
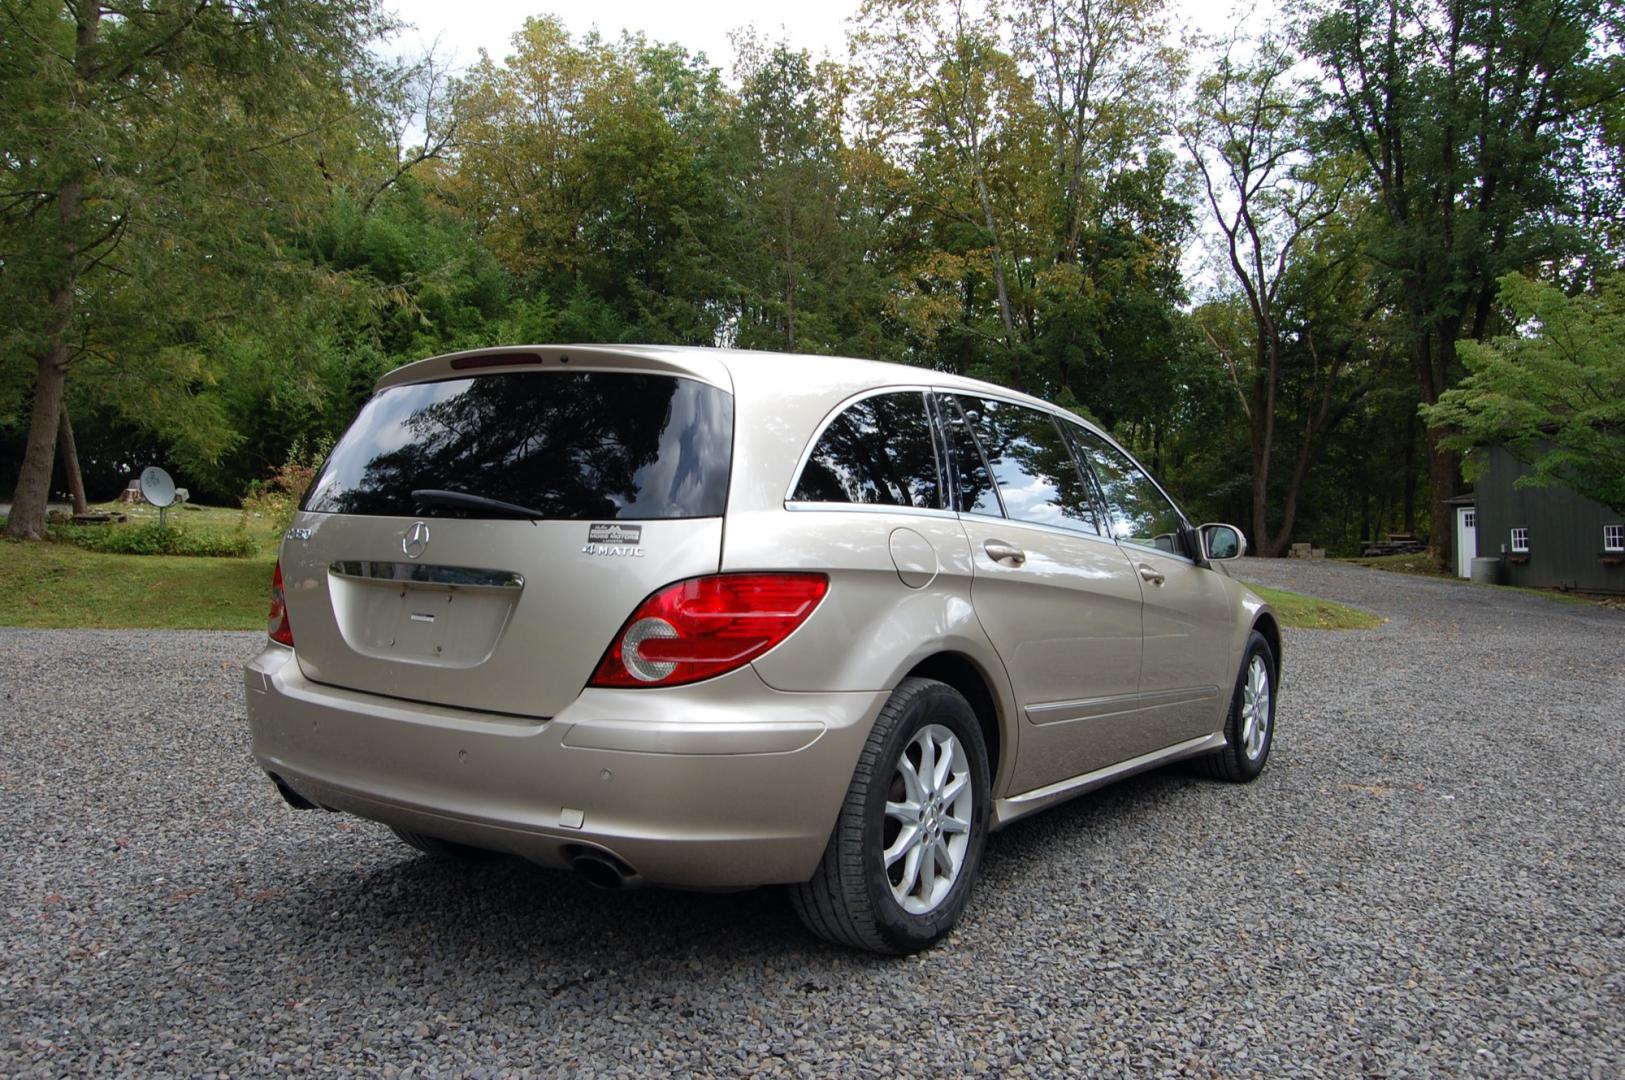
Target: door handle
[1152,574]
[1001,552]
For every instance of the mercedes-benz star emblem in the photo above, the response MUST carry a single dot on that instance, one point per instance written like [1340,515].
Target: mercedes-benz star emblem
[415,540]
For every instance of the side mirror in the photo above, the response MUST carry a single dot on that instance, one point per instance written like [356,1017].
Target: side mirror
[1221,543]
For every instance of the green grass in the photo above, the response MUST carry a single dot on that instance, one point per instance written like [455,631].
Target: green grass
[1312,613]
[56,584]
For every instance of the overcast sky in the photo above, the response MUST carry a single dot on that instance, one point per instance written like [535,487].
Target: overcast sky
[818,26]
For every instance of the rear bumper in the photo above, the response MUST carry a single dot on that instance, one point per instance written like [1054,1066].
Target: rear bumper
[722,784]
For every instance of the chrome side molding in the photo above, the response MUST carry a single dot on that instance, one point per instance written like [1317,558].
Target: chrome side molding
[1014,807]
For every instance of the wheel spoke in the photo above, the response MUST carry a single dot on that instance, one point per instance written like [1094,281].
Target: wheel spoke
[907,842]
[945,764]
[944,857]
[954,787]
[927,867]
[906,812]
[928,762]
[911,873]
[912,788]
[955,825]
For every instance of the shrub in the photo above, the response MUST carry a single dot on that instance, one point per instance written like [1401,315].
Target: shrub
[279,495]
[152,540]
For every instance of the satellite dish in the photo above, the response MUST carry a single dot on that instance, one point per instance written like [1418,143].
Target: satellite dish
[157,487]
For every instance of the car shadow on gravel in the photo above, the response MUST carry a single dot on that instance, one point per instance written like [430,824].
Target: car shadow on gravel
[510,906]
[459,914]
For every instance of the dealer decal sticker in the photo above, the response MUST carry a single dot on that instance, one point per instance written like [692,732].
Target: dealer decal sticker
[614,540]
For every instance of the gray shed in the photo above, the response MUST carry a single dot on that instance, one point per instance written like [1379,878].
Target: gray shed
[1546,537]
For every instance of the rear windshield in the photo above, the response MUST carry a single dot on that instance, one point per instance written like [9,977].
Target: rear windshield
[571,445]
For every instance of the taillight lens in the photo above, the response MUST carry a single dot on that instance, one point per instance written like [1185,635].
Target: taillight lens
[705,627]
[277,625]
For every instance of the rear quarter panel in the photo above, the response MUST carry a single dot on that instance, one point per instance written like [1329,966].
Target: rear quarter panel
[872,628]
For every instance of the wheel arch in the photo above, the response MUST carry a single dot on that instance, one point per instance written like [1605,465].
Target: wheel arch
[965,675]
[1267,624]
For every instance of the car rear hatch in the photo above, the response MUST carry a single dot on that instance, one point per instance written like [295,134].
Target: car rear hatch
[488,523]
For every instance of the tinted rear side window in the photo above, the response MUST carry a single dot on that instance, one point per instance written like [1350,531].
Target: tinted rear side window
[1032,463]
[572,445]
[880,451]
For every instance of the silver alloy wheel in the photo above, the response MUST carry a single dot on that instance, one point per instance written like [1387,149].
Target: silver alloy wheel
[1255,708]
[928,819]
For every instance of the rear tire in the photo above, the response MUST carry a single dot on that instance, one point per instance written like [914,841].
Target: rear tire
[907,845]
[1249,728]
[436,848]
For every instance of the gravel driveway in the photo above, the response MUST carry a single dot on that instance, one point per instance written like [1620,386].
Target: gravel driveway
[1428,879]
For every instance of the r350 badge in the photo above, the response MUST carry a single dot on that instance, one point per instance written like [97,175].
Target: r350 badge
[297,534]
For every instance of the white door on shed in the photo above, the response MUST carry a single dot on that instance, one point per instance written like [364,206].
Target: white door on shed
[1466,540]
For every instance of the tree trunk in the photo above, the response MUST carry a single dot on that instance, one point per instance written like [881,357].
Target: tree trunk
[789,283]
[1444,472]
[70,463]
[1444,466]
[39,452]
[1410,473]
[27,520]
[1260,491]
[999,284]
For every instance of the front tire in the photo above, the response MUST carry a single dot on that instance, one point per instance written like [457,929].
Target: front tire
[907,846]
[1249,728]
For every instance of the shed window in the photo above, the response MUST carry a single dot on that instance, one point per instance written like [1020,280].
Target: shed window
[1520,538]
[1613,537]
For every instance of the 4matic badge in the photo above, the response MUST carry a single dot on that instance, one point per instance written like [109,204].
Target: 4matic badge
[615,540]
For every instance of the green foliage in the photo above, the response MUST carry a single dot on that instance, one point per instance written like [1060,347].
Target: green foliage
[276,499]
[152,539]
[986,189]
[1488,140]
[1552,393]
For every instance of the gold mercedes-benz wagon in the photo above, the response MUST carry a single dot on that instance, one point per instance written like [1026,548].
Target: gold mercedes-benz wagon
[719,619]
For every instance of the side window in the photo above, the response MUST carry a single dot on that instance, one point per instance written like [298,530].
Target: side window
[878,451]
[1031,463]
[1140,513]
[971,483]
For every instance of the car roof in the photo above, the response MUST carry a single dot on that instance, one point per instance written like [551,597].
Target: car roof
[748,371]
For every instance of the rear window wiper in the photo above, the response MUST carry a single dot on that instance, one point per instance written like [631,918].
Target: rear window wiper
[462,500]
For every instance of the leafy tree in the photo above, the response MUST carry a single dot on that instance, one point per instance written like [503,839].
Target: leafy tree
[1479,127]
[153,151]
[1553,394]
[590,168]
[1267,200]
[796,232]
[946,98]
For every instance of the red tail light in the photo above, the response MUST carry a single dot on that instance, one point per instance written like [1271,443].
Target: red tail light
[277,626]
[704,627]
